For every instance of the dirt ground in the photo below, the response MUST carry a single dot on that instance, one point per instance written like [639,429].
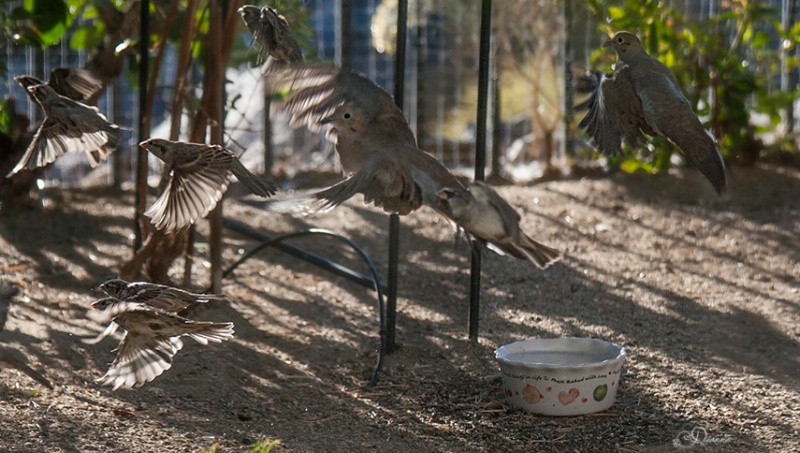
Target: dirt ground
[702,290]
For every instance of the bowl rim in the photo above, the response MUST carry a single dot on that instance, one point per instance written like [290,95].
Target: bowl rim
[501,352]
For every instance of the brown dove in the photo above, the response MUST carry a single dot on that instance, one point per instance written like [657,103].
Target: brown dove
[485,214]
[643,96]
[376,148]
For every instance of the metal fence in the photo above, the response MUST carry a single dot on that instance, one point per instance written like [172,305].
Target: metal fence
[441,77]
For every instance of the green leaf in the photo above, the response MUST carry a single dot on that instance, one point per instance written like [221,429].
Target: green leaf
[87,37]
[633,166]
[50,19]
[616,13]
[6,119]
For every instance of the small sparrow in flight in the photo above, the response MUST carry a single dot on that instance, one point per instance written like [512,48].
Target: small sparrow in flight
[196,176]
[271,32]
[151,340]
[68,126]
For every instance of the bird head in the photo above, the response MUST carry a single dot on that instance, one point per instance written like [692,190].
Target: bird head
[250,14]
[27,81]
[113,287]
[624,43]
[347,119]
[157,146]
[454,202]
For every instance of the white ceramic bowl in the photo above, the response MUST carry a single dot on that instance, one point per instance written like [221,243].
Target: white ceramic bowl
[561,376]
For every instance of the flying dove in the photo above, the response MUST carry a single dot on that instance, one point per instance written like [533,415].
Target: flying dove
[376,148]
[643,96]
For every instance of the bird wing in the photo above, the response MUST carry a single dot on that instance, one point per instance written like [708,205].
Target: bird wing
[315,90]
[110,329]
[194,187]
[383,181]
[668,112]
[286,48]
[141,358]
[254,183]
[55,138]
[74,83]
[614,113]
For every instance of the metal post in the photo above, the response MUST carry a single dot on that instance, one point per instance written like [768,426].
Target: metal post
[344,34]
[117,157]
[495,166]
[394,219]
[569,90]
[480,159]
[141,154]
[420,76]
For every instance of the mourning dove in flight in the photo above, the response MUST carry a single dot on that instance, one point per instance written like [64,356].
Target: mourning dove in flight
[68,126]
[376,148]
[380,157]
[484,213]
[643,96]
[271,32]
[151,340]
[197,175]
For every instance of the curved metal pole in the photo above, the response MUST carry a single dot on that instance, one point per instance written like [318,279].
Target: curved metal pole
[364,256]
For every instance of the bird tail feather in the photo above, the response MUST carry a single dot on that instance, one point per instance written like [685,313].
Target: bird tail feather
[254,183]
[214,332]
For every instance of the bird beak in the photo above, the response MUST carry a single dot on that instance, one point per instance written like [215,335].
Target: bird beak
[326,120]
[608,43]
[143,144]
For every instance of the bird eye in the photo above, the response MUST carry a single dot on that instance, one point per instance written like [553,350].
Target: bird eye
[619,39]
[347,116]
